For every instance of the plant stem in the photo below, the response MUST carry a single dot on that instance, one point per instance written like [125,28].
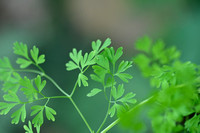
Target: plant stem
[110,126]
[88,126]
[74,88]
[61,90]
[131,110]
[107,113]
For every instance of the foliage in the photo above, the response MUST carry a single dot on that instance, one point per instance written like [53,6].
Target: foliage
[174,107]
[176,103]
[103,61]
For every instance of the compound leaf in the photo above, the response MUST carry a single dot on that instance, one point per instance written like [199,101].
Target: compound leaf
[94,92]
[124,76]
[28,128]
[35,55]
[38,119]
[21,49]
[128,98]
[6,107]
[102,61]
[16,115]
[28,89]
[11,97]
[124,65]
[82,79]
[23,62]
[50,113]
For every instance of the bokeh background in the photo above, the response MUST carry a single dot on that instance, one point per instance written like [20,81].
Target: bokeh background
[57,26]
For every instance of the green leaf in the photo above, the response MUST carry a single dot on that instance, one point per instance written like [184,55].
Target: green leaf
[124,65]
[50,113]
[12,84]
[106,43]
[5,69]
[23,62]
[124,76]
[192,125]
[100,74]
[128,98]
[143,44]
[94,92]
[40,84]
[6,107]
[118,54]
[11,97]
[16,115]
[28,89]
[38,119]
[102,61]
[82,79]
[28,128]
[96,45]
[21,49]
[117,93]
[71,66]
[88,60]
[112,110]
[35,55]
[76,57]
[5,63]
[109,82]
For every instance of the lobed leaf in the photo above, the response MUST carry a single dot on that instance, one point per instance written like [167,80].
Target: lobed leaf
[50,113]
[124,76]
[40,84]
[128,98]
[38,119]
[35,55]
[11,97]
[16,115]
[28,128]
[28,89]
[24,63]
[6,107]
[21,49]
[82,79]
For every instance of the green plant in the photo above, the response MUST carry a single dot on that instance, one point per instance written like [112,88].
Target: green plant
[175,103]
[103,61]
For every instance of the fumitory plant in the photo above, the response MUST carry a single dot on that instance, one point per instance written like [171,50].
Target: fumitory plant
[103,60]
[173,107]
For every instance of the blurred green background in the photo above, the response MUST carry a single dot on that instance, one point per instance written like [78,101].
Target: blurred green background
[58,26]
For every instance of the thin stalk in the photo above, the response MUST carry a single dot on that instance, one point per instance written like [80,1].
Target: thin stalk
[110,126]
[107,113]
[54,97]
[75,86]
[88,126]
[133,109]
[108,101]
[57,86]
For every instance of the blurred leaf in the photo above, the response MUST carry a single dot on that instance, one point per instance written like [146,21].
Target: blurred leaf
[94,92]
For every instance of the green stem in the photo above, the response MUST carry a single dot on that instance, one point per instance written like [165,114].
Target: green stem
[88,126]
[75,86]
[131,110]
[109,100]
[61,90]
[107,113]
[110,126]
[54,97]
